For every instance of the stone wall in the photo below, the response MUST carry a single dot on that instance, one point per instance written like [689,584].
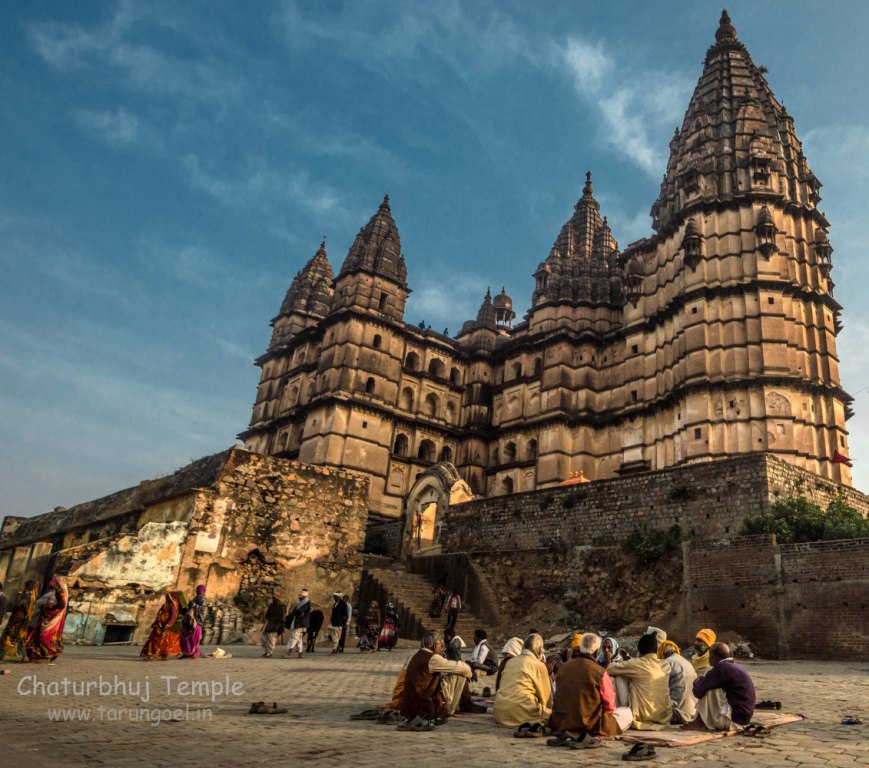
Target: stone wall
[707,500]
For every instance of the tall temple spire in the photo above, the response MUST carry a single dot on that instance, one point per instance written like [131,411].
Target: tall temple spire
[736,140]
[377,248]
[311,289]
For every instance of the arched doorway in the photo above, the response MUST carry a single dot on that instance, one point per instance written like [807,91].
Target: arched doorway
[425,506]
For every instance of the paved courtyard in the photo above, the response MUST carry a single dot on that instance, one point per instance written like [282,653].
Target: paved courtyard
[211,728]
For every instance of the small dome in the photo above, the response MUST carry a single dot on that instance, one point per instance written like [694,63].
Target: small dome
[502,300]
[726,30]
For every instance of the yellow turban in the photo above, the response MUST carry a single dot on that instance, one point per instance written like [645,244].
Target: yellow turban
[663,646]
[574,644]
[706,635]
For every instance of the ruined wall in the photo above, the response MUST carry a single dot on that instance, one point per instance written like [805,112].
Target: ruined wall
[707,500]
[240,523]
[275,524]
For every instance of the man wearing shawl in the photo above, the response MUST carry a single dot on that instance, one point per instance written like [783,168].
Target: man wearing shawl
[194,620]
[525,695]
[14,639]
[682,677]
[273,625]
[585,697]
[702,643]
[163,640]
[45,638]
[512,648]
[642,685]
[337,621]
[725,694]
[298,621]
[434,687]
[370,628]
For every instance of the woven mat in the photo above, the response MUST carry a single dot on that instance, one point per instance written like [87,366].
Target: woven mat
[676,737]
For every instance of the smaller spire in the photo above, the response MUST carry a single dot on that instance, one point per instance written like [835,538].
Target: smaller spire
[587,190]
[726,31]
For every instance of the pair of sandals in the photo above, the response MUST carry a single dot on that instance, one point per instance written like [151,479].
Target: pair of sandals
[640,751]
[531,731]
[419,724]
[567,739]
[261,708]
[848,720]
[756,731]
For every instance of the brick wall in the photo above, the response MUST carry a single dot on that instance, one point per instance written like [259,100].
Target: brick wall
[793,600]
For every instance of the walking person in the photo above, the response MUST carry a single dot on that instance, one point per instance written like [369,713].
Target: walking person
[14,639]
[298,620]
[346,628]
[194,620]
[337,621]
[389,632]
[454,608]
[273,625]
[45,638]
[163,642]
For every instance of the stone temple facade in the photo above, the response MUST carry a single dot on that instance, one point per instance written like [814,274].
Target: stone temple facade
[713,337]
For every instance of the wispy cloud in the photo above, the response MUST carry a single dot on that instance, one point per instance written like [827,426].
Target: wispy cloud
[116,127]
[637,108]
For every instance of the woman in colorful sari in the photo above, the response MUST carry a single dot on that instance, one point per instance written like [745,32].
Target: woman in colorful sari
[15,635]
[45,638]
[159,644]
[389,633]
[191,630]
[370,628]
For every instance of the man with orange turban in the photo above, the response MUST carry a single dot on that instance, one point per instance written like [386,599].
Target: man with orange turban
[703,641]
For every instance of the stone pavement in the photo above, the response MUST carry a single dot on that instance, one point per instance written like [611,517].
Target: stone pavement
[323,690]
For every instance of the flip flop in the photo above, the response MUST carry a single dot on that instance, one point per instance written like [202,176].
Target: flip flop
[368,714]
[851,721]
[537,731]
[768,705]
[390,717]
[255,706]
[756,730]
[408,725]
[564,740]
[522,731]
[639,751]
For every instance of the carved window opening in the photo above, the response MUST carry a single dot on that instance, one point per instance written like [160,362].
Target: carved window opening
[454,375]
[405,402]
[507,485]
[400,447]
[378,341]
[381,303]
[517,370]
[369,385]
[531,450]
[760,170]
[766,232]
[427,451]
[446,453]
[411,362]
[431,405]
[436,368]
[692,245]
[510,452]
[538,367]
[824,253]
[691,181]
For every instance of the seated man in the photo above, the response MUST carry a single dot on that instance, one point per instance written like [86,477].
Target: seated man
[682,677]
[525,695]
[702,643]
[453,645]
[512,648]
[483,658]
[725,694]
[585,698]
[435,687]
[643,685]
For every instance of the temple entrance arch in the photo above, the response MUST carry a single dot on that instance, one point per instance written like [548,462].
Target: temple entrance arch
[426,504]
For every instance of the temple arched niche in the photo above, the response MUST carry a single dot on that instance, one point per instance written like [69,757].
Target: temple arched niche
[426,504]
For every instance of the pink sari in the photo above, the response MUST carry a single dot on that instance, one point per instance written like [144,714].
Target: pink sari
[45,639]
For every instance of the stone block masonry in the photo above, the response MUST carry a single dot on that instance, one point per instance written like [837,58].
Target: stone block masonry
[706,500]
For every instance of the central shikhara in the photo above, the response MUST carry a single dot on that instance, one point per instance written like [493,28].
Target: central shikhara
[713,337]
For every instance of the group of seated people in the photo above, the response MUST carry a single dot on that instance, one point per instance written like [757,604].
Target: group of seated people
[591,687]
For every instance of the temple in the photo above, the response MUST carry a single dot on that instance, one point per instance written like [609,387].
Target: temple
[713,337]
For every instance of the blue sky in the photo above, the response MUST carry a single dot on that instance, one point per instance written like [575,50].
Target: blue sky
[166,168]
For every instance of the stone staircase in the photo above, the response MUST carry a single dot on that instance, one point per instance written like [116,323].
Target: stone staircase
[412,595]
